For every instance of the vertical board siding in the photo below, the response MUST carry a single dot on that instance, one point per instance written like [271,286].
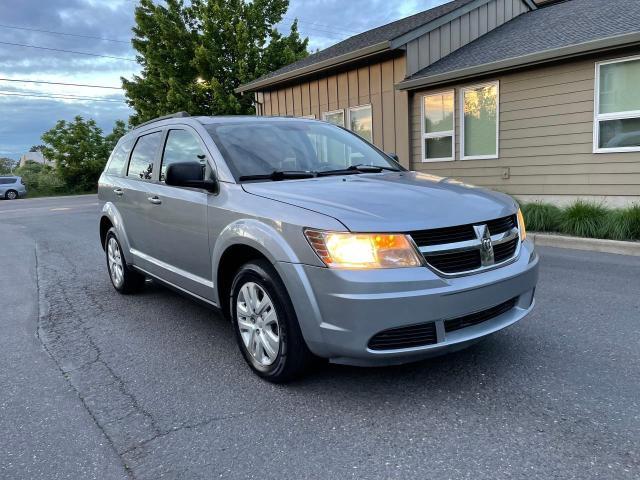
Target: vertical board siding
[432,46]
[546,138]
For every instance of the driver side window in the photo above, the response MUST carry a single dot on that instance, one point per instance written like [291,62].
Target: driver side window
[181,146]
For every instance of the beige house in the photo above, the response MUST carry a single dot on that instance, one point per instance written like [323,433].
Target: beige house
[539,101]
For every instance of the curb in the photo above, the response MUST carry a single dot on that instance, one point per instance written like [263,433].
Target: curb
[589,244]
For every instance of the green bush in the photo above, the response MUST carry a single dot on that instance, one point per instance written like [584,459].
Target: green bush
[541,217]
[584,219]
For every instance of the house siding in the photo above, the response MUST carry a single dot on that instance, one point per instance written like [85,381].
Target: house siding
[440,42]
[546,139]
[373,84]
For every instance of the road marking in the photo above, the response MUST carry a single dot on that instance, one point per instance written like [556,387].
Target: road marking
[35,208]
[60,209]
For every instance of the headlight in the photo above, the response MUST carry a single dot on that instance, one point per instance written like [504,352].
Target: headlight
[363,250]
[523,229]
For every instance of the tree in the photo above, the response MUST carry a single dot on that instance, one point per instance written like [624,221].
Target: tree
[36,148]
[194,56]
[79,151]
[7,165]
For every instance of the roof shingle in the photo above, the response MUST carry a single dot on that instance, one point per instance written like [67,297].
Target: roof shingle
[561,25]
[372,37]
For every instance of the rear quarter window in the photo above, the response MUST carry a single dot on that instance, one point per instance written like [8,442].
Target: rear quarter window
[119,158]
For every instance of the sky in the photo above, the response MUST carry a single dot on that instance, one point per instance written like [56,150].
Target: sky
[103,28]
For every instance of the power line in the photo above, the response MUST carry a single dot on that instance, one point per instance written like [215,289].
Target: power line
[68,51]
[52,32]
[321,24]
[58,83]
[61,97]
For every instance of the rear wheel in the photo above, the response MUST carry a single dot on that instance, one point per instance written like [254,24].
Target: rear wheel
[11,195]
[266,325]
[124,279]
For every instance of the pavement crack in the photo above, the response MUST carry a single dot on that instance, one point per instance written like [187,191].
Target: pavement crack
[41,309]
[186,426]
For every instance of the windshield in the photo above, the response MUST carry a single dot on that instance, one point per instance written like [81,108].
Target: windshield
[262,148]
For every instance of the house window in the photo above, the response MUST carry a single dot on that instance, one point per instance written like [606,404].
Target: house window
[360,121]
[617,109]
[336,117]
[438,135]
[480,112]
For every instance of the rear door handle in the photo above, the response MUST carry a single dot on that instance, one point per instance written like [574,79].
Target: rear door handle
[155,200]
[118,191]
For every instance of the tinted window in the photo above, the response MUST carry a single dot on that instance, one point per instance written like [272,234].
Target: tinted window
[7,181]
[181,146]
[119,158]
[144,153]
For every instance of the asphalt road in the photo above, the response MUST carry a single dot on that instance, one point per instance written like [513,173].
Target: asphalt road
[98,385]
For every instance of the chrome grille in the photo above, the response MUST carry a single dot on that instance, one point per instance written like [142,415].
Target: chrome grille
[470,248]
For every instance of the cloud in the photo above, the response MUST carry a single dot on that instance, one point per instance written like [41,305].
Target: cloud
[325,22]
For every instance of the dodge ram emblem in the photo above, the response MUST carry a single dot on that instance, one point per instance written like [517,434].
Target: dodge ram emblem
[486,245]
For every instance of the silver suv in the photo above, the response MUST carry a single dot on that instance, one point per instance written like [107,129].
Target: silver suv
[12,188]
[314,243]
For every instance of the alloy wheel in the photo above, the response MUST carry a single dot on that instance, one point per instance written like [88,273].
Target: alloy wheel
[258,323]
[115,262]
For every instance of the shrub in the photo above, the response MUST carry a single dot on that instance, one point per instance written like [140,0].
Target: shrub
[584,219]
[631,217]
[541,217]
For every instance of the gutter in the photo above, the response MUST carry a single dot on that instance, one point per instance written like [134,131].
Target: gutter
[593,46]
[316,67]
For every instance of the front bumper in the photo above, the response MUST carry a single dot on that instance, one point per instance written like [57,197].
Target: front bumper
[341,310]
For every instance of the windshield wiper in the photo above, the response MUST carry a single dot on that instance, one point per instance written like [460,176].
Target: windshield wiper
[360,168]
[279,175]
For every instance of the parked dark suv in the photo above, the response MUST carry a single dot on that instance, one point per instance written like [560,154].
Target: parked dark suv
[312,241]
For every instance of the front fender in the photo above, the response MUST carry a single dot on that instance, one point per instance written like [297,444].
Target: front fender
[110,211]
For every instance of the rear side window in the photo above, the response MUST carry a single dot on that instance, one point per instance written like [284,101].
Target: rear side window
[7,181]
[143,156]
[119,158]
[181,146]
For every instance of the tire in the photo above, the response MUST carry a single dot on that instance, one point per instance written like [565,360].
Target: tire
[123,278]
[11,195]
[257,328]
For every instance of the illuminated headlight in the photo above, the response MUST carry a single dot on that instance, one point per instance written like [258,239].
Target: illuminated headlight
[363,250]
[521,227]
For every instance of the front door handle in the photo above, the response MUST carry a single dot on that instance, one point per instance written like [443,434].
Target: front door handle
[118,191]
[155,200]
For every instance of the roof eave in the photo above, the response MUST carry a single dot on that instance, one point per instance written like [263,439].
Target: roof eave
[545,56]
[316,67]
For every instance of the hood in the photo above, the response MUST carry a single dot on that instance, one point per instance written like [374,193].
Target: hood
[389,202]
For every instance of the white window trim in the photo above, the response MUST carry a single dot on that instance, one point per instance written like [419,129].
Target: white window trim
[331,112]
[473,87]
[356,108]
[309,117]
[598,117]
[444,133]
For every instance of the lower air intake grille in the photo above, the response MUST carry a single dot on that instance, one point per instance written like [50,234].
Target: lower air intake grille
[478,317]
[404,337]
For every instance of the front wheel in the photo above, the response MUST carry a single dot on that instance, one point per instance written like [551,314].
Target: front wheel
[266,325]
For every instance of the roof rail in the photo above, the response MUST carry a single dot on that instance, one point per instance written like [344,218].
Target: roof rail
[164,117]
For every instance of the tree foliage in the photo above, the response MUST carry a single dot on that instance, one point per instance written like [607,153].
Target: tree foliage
[194,56]
[80,151]
[7,165]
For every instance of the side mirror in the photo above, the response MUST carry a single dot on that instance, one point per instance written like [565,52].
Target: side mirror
[394,156]
[189,174]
